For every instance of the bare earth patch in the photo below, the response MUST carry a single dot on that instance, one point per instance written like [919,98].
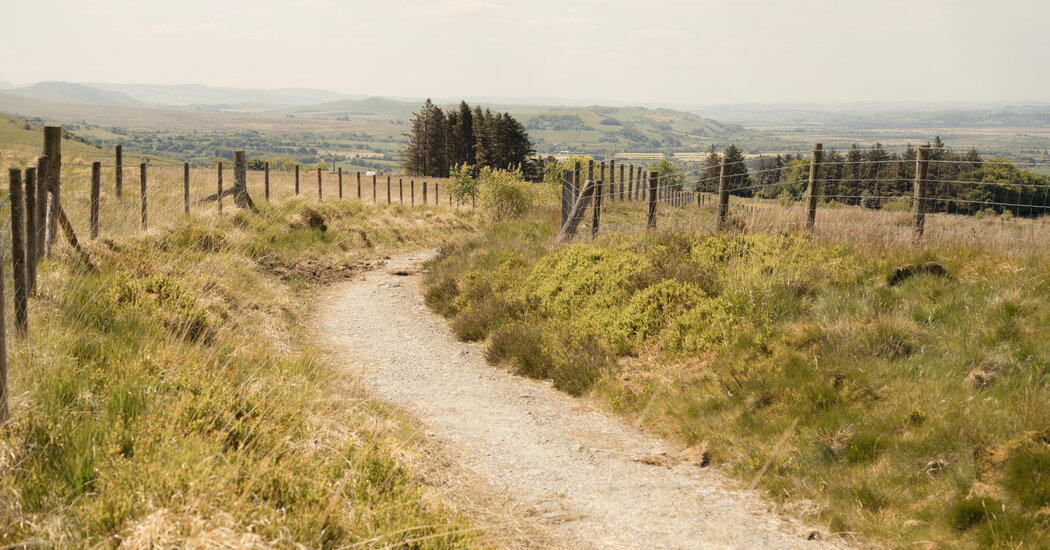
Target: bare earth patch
[529,462]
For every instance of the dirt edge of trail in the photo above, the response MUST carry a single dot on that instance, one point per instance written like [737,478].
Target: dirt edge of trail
[535,467]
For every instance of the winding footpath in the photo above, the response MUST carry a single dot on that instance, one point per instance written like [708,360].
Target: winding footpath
[578,475]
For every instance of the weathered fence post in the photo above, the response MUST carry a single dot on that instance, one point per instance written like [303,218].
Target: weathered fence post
[723,197]
[142,192]
[623,185]
[240,180]
[630,183]
[41,206]
[567,198]
[30,194]
[185,189]
[266,181]
[218,196]
[96,185]
[296,180]
[412,190]
[601,171]
[53,151]
[919,201]
[373,188]
[4,415]
[597,214]
[320,191]
[340,172]
[18,252]
[424,192]
[814,171]
[401,190]
[576,181]
[388,189]
[590,170]
[650,220]
[359,186]
[118,181]
[568,230]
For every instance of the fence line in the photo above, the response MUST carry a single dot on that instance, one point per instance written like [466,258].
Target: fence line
[48,199]
[925,199]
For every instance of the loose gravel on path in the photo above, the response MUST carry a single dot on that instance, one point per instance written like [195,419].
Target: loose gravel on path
[584,478]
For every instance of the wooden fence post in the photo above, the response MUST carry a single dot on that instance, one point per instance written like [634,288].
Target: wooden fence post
[576,182]
[18,252]
[119,179]
[359,186]
[630,183]
[590,170]
[401,190]
[142,192]
[597,213]
[296,180]
[568,230]
[41,206]
[340,171]
[4,415]
[601,172]
[218,196]
[388,189]
[53,151]
[96,188]
[373,188]
[567,198]
[650,221]
[240,180]
[30,194]
[266,181]
[814,171]
[424,192]
[723,197]
[412,190]
[320,192]
[919,201]
[185,189]
[623,184]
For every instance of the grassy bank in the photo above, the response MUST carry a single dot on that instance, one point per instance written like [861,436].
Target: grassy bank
[907,410]
[170,398]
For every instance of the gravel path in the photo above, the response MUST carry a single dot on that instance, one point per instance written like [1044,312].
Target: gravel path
[580,475]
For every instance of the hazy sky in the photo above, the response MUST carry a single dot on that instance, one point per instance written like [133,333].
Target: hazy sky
[671,51]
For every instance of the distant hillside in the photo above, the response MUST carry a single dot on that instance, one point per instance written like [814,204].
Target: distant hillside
[196,94]
[552,129]
[68,92]
[369,106]
[620,128]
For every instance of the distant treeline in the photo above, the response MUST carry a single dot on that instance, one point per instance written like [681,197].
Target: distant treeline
[439,140]
[963,183]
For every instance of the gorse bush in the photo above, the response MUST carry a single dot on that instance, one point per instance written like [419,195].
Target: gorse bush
[915,411]
[504,193]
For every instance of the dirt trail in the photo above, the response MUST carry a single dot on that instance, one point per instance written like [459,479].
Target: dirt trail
[573,472]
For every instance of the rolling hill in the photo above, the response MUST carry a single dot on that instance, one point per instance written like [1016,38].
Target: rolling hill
[196,94]
[68,92]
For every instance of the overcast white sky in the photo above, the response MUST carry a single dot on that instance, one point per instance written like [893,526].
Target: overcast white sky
[642,51]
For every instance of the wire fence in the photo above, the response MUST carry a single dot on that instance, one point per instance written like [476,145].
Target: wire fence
[922,196]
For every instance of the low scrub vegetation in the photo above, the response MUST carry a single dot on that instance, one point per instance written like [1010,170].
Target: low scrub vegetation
[901,404]
[168,400]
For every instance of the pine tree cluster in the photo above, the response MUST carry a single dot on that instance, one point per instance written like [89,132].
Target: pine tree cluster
[441,139]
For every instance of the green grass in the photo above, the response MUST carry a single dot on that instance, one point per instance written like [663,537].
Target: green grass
[170,398]
[910,413]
